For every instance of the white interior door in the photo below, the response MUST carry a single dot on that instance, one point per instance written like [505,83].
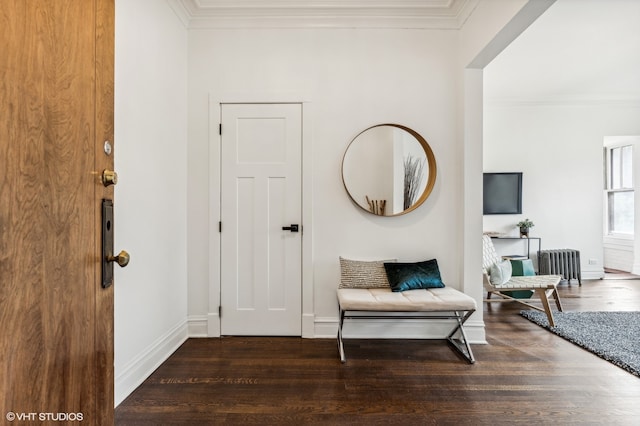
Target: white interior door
[261,194]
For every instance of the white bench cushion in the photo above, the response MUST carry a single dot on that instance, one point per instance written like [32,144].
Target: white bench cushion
[421,300]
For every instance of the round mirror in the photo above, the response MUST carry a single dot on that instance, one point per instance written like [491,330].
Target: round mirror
[388,170]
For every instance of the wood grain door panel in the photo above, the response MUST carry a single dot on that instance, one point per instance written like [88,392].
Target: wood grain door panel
[56,98]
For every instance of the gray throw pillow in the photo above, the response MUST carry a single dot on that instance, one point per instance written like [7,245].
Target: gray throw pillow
[363,273]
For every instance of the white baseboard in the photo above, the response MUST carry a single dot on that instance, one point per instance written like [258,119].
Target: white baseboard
[198,326]
[325,328]
[140,368]
[591,273]
[204,325]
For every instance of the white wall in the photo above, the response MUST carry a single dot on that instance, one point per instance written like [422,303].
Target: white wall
[352,79]
[559,148]
[349,79]
[150,198]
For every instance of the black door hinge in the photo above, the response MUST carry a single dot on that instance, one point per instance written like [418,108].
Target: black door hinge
[219,226]
[220,129]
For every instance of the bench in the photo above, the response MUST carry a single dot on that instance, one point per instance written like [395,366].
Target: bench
[431,303]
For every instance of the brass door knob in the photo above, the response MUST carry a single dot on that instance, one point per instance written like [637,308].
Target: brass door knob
[121,259]
[109,177]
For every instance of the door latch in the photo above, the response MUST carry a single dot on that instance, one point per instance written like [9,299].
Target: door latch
[292,228]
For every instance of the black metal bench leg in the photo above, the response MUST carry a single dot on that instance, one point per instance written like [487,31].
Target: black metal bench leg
[343,359]
[462,346]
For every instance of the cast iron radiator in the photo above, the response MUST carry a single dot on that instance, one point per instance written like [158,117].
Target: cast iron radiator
[565,262]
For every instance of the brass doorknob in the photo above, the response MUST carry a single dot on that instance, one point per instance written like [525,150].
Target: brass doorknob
[109,177]
[121,259]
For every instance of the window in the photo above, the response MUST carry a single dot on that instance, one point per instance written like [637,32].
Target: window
[619,189]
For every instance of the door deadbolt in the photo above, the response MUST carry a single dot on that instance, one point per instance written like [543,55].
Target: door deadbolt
[109,177]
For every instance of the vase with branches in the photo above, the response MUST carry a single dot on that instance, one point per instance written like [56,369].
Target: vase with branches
[413,176]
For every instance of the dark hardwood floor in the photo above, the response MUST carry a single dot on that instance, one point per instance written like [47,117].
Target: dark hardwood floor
[524,375]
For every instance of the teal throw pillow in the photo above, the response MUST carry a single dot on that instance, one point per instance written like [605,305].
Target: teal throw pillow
[411,276]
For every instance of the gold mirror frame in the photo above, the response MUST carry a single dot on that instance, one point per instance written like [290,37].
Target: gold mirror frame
[430,163]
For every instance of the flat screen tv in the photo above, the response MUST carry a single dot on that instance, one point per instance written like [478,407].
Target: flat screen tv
[502,193]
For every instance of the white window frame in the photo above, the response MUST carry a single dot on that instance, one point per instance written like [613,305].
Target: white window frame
[612,143]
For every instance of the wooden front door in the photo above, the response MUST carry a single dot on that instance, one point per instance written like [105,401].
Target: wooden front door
[56,112]
[261,261]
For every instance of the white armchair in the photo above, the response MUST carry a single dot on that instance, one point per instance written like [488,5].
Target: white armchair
[543,285]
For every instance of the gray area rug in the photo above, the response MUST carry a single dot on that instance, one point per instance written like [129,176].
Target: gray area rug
[614,336]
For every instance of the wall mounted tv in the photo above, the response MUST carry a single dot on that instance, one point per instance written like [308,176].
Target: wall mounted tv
[502,193]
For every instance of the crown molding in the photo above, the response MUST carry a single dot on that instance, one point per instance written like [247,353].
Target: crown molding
[415,14]
[180,11]
[584,101]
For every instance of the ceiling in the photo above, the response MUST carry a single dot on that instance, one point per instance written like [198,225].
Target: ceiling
[581,51]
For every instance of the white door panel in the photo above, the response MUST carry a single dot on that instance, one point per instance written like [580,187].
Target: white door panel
[261,194]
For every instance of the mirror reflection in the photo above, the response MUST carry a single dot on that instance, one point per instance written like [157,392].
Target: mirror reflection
[388,170]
